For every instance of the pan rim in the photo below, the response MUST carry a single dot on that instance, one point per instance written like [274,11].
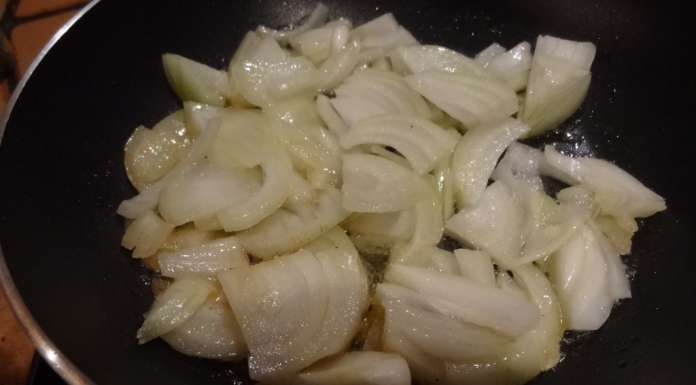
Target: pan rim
[42,343]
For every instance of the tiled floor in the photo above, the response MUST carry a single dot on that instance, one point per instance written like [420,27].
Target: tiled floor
[36,21]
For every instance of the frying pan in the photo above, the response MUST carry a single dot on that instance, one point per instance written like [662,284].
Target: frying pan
[81,297]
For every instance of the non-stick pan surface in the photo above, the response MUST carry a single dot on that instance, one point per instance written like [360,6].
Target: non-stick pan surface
[61,172]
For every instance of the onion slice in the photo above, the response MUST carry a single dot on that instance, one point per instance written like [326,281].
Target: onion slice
[209,258]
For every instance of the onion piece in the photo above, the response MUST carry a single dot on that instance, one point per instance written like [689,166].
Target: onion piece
[174,306]
[617,192]
[443,261]
[286,231]
[383,32]
[204,190]
[310,309]
[197,116]
[329,116]
[395,226]
[421,58]
[194,81]
[493,225]
[377,185]
[339,66]
[358,368]
[467,300]
[317,44]
[484,57]
[476,266]
[421,142]
[444,182]
[207,259]
[212,332]
[186,237]
[373,92]
[427,232]
[558,81]
[580,274]
[146,234]
[619,231]
[529,162]
[476,155]
[267,74]
[471,100]
[513,66]
[147,199]
[151,154]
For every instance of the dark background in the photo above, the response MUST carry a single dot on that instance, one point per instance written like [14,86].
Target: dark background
[61,172]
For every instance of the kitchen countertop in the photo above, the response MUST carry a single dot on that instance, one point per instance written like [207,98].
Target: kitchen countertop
[33,23]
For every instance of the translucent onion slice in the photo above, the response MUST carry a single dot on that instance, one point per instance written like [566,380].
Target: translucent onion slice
[186,237]
[444,182]
[246,46]
[471,100]
[209,258]
[443,261]
[617,192]
[397,225]
[313,149]
[358,368]
[317,44]
[146,234]
[476,266]
[329,116]
[467,300]
[476,155]
[174,306]
[558,81]
[529,162]
[194,81]
[151,154]
[147,199]
[197,116]
[383,32]
[211,332]
[427,232]
[310,308]
[421,142]
[286,231]
[513,66]
[484,57]
[580,274]
[373,184]
[339,66]
[619,231]
[267,74]
[493,225]
[421,58]
[203,191]
[373,92]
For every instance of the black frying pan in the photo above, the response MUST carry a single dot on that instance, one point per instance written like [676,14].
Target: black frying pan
[61,172]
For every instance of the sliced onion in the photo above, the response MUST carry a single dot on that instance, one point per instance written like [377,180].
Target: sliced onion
[330,117]
[297,309]
[427,232]
[373,92]
[383,32]
[358,368]
[314,151]
[197,116]
[513,66]
[267,74]
[316,44]
[339,66]
[248,43]
[476,155]
[207,259]
[286,231]
[444,182]
[421,58]
[151,154]
[203,191]
[373,184]
[147,199]
[619,231]
[174,306]
[471,100]
[463,298]
[444,261]
[579,272]
[617,192]
[186,237]
[194,81]
[397,225]
[530,162]
[493,225]
[418,140]
[146,234]
[558,81]
[484,57]
[212,332]
[476,266]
